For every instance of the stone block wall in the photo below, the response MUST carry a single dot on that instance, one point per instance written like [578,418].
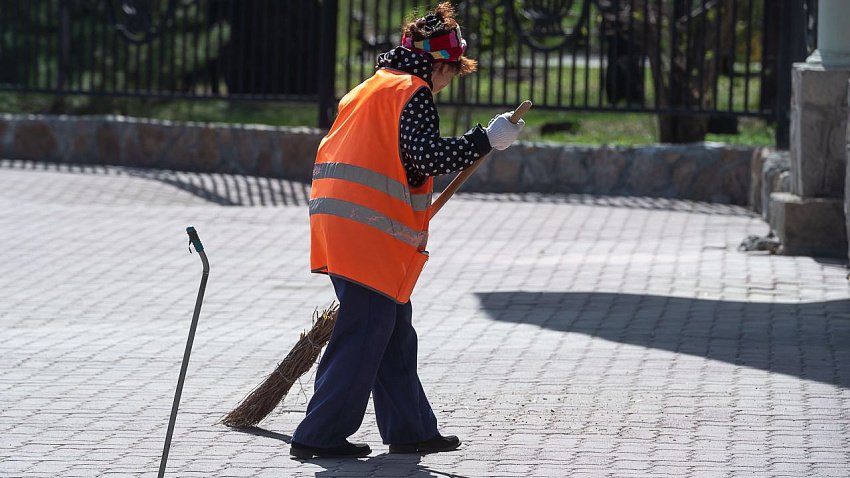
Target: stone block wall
[757,162]
[702,172]
[115,140]
[775,177]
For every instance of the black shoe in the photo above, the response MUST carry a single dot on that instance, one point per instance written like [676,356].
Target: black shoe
[437,444]
[349,450]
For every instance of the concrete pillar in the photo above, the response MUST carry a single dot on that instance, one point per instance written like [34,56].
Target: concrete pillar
[818,124]
[819,107]
[847,176]
[833,34]
[805,220]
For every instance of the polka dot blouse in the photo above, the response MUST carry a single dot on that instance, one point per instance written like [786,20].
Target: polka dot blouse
[423,152]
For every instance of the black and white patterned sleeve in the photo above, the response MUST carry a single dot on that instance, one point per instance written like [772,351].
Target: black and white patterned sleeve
[424,153]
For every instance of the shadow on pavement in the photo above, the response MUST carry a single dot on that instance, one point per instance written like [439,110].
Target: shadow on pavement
[389,465]
[806,340]
[222,189]
[232,189]
[384,464]
[626,202]
[243,190]
[262,432]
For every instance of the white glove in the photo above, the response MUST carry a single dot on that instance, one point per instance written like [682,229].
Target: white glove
[501,132]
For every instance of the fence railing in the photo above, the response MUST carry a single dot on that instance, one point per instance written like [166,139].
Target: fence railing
[725,58]
[188,49]
[593,55]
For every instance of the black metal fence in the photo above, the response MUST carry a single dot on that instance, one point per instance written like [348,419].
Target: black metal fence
[189,49]
[724,58]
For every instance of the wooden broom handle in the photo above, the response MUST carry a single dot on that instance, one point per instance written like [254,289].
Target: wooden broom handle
[461,178]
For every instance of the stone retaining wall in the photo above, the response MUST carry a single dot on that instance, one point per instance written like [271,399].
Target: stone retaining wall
[204,147]
[703,172]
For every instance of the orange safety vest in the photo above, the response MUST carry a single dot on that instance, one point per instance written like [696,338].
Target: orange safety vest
[367,224]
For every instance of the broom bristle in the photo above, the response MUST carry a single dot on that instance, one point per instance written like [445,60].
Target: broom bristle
[265,397]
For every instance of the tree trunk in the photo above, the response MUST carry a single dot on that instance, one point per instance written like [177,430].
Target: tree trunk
[682,128]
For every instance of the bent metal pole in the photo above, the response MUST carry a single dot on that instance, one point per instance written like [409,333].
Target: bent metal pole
[196,242]
[461,178]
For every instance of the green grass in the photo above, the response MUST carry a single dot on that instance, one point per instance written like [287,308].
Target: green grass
[600,128]
[622,129]
[752,132]
[219,111]
[583,128]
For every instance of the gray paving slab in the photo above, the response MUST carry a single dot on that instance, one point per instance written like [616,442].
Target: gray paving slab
[559,335]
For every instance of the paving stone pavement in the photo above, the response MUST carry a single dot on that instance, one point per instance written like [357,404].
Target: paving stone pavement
[559,335]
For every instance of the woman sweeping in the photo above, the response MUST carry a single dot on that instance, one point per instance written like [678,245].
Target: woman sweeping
[369,212]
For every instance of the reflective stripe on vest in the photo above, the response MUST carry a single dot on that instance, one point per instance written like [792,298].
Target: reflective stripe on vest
[370,217]
[372,179]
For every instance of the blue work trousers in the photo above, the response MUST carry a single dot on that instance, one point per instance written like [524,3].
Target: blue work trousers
[372,349]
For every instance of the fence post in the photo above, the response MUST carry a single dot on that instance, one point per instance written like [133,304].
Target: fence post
[327,63]
[63,62]
[792,48]
[63,48]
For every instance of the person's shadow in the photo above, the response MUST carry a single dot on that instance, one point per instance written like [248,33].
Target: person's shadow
[384,464]
[806,340]
[262,432]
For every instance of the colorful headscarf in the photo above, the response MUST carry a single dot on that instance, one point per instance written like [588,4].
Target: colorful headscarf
[445,46]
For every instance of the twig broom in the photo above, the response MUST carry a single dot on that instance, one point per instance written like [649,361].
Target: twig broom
[265,397]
